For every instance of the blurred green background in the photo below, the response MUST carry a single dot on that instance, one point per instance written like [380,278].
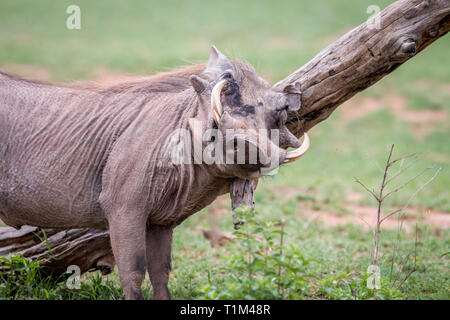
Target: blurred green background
[408,108]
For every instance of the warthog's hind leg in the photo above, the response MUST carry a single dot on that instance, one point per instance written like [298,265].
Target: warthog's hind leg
[159,246]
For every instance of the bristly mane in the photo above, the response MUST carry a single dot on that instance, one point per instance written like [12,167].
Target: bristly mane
[176,80]
[171,81]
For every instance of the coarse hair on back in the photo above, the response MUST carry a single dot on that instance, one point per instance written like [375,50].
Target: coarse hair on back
[172,81]
[176,80]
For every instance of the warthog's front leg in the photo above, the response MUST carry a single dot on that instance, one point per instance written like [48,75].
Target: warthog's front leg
[159,246]
[128,244]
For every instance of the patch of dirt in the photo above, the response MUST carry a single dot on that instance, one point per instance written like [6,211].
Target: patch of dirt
[419,121]
[358,214]
[28,71]
[354,196]
[367,217]
[438,87]
[288,192]
[359,107]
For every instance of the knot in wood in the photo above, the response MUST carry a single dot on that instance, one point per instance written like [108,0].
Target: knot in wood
[407,48]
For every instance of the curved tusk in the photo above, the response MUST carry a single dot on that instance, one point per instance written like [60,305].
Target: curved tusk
[299,152]
[196,131]
[216,106]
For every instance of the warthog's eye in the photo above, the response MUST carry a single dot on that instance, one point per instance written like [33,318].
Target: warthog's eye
[227,75]
[283,108]
[281,115]
[231,88]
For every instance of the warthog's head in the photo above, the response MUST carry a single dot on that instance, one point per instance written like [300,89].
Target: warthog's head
[248,134]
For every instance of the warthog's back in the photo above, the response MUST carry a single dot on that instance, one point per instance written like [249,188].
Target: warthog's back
[54,143]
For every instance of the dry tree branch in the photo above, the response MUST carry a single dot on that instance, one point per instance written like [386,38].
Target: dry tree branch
[363,56]
[406,183]
[412,196]
[367,189]
[403,169]
[380,198]
[403,158]
[380,203]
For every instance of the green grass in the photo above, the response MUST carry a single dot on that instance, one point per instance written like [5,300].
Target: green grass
[144,37]
[148,36]
[421,100]
[319,263]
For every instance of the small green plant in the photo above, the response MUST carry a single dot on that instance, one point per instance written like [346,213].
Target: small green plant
[263,266]
[348,286]
[21,277]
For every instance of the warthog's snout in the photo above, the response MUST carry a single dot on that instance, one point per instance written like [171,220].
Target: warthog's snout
[253,154]
[250,155]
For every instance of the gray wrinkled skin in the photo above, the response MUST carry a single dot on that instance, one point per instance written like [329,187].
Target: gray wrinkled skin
[89,156]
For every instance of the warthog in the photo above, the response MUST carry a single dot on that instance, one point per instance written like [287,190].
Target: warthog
[99,157]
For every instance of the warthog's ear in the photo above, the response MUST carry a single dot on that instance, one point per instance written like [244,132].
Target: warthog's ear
[198,83]
[217,63]
[294,96]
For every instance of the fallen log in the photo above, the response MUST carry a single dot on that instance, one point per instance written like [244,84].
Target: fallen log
[89,249]
[354,62]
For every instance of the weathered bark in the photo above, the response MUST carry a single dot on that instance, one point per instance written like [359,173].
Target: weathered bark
[354,62]
[363,56]
[89,249]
